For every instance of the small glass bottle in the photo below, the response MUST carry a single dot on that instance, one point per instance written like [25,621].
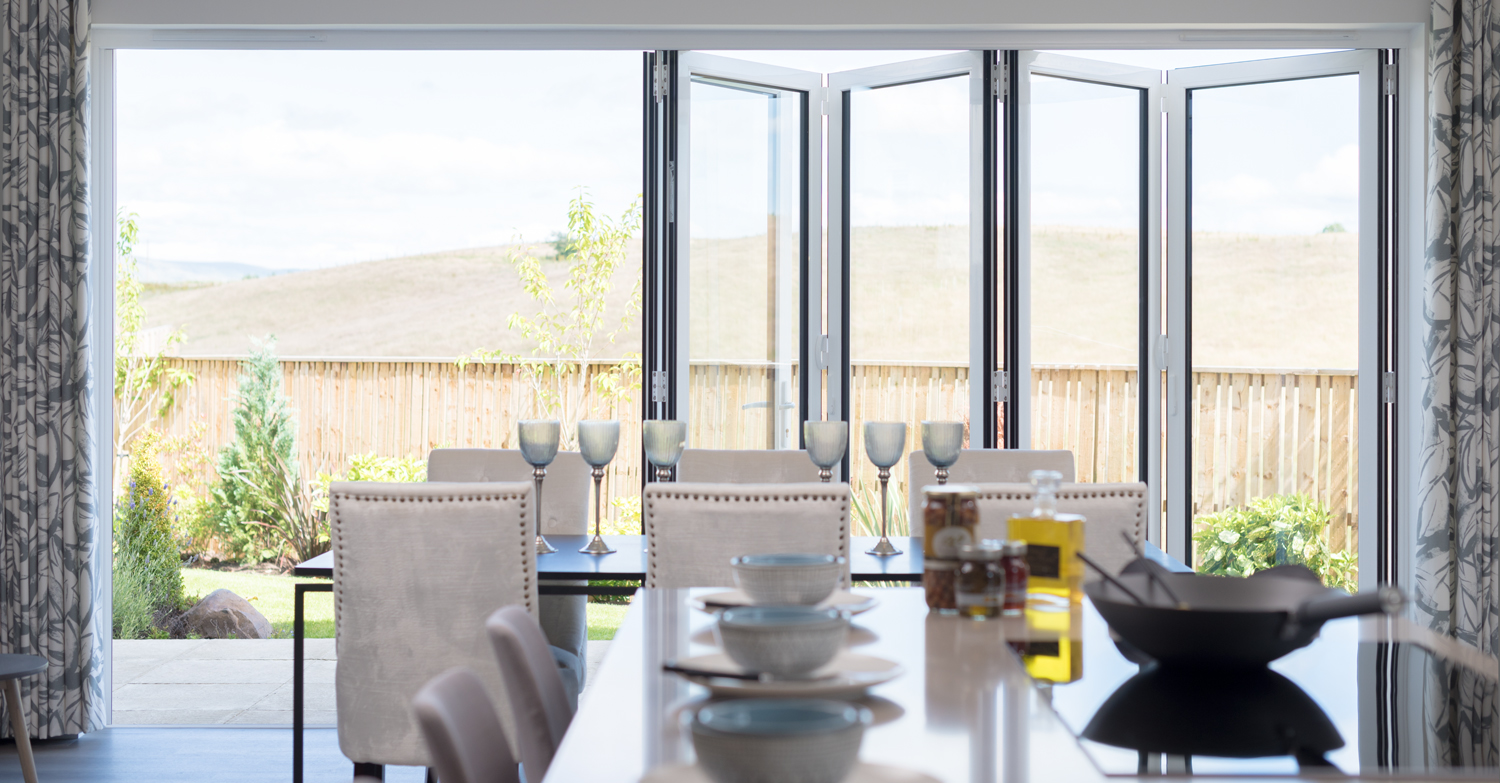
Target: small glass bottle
[1053,541]
[980,591]
[1017,573]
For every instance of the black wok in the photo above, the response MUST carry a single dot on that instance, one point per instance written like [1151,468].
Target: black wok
[1196,620]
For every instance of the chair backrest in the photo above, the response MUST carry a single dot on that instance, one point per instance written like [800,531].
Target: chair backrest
[983,466]
[745,466]
[1108,511]
[565,491]
[538,704]
[417,568]
[693,530]
[463,732]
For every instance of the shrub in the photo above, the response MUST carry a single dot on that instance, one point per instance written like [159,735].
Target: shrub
[1272,531]
[148,576]
[864,510]
[370,467]
[259,506]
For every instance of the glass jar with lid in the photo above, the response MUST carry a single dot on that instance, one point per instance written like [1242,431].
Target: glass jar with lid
[981,580]
[950,519]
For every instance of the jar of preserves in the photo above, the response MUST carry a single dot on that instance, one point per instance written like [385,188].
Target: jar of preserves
[950,518]
[981,580]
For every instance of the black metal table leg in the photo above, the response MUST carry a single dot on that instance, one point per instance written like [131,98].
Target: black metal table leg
[297,658]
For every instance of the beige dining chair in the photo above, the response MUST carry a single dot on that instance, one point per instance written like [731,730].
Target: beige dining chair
[983,466]
[539,706]
[463,731]
[565,497]
[417,568]
[1108,510]
[746,466]
[693,530]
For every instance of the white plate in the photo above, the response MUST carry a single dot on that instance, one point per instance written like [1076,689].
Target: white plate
[852,674]
[843,600]
[858,635]
[862,773]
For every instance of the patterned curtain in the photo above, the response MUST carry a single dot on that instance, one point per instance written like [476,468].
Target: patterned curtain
[1456,586]
[49,596]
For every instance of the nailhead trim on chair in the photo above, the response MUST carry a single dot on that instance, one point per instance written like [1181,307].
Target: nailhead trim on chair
[651,529]
[1082,494]
[334,521]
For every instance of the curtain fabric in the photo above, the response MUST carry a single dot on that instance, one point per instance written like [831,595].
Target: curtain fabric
[1456,585]
[49,596]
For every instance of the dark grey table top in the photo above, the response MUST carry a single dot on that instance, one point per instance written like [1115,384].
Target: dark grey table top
[13,666]
[629,561]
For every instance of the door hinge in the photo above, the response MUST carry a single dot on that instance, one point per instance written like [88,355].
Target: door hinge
[659,81]
[823,352]
[671,191]
[1000,386]
[821,96]
[1388,77]
[658,385]
[1001,76]
[1163,358]
[1388,388]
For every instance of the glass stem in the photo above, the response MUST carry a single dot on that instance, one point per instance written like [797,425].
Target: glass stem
[885,476]
[598,517]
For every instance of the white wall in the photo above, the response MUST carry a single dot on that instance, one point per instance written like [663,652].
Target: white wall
[845,14]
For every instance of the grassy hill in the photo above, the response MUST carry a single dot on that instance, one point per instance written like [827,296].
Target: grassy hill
[1260,300]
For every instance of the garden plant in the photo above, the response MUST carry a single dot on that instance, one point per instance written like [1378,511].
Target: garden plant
[1272,531]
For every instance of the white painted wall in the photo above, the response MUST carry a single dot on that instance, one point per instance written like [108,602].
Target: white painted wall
[839,14]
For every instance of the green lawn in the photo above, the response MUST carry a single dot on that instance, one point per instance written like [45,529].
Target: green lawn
[272,595]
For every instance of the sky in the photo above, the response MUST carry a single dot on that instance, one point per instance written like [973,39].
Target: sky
[305,159]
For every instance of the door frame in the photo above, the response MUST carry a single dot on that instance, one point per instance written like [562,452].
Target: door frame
[1151,337]
[1364,63]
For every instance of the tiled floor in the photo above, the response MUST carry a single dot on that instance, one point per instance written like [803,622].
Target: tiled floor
[228,681]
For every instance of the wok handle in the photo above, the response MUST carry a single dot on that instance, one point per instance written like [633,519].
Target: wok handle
[1386,600]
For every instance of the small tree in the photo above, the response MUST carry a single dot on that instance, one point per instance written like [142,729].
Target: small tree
[568,331]
[1272,531]
[258,478]
[144,383]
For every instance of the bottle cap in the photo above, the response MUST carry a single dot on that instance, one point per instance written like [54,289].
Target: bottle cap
[1015,548]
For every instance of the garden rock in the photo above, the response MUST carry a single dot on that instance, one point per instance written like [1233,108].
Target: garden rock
[224,615]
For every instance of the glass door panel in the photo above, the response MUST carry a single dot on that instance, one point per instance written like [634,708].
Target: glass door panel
[1087,251]
[745,206]
[1274,249]
[908,240]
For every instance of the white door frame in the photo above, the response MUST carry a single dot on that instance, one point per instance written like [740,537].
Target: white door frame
[1180,83]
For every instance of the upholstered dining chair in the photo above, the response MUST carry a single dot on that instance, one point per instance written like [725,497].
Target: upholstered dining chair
[693,530]
[565,498]
[1108,511]
[983,466]
[746,466]
[417,568]
[539,706]
[463,731]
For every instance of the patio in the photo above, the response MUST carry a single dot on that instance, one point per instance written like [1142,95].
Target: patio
[170,682]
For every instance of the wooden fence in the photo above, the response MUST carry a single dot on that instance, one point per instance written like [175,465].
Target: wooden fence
[1258,431]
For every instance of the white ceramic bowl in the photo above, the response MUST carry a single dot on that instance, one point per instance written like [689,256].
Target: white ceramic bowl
[779,740]
[783,641]
[787,579]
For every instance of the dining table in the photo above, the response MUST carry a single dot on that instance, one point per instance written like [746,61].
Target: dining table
[558,573]
[1010,699]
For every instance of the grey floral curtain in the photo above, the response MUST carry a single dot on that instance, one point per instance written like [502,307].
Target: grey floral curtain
[1456,587]
[49,601]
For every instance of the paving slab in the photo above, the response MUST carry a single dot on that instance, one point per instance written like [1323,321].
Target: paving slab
[311,718]
[317,696]
[173,717]
[221,671]
[192,697]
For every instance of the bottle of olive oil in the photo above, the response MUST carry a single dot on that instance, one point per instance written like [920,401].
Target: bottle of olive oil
[1052,541]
